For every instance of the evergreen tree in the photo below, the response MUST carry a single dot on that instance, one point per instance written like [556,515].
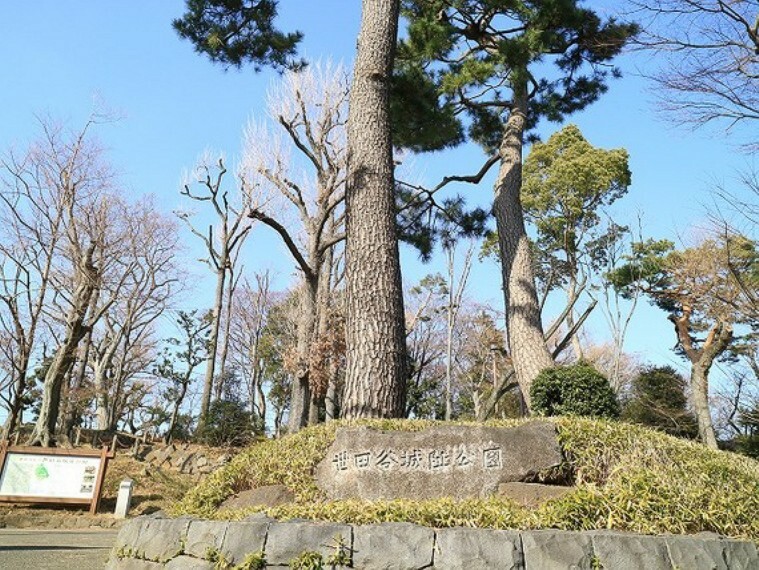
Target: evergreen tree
[487,62]
[236,32]
[658,400]
[706,290]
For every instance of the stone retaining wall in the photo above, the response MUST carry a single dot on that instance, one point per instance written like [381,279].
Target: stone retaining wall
[148,542]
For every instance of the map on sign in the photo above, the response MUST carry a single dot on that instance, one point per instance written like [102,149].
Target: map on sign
[57,476]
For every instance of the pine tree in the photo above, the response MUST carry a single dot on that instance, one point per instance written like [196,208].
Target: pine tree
[237,32]
[487,62]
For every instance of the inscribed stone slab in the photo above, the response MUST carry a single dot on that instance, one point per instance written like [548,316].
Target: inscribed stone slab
[441,461]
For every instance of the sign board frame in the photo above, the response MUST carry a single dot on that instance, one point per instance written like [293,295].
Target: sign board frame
[94,502]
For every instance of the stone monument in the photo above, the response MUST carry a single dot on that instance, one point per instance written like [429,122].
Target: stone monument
[441,461]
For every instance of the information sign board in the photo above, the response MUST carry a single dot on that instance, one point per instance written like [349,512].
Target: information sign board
[52,475]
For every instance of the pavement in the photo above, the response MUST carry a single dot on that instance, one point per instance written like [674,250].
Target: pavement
[52,549]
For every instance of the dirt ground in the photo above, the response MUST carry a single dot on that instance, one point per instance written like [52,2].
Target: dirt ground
[154,489]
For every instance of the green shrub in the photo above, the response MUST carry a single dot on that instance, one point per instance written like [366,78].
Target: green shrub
[577,390]
[658,400]
[228,423]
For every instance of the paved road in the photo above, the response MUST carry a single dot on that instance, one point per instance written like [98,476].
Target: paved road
[22,549]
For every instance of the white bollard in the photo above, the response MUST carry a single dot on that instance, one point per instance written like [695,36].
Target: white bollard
[124,499]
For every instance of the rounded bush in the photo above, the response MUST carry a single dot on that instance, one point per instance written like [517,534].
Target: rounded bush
[228,424]
[577,390]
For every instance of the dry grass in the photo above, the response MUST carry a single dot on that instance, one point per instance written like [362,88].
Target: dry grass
[627,478]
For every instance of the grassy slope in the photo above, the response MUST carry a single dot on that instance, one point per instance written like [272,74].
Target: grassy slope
[628,478]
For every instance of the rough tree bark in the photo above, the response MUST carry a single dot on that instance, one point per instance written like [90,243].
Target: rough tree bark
[524,329]
[375,336]
[701,359]
[301,394]
[44,430]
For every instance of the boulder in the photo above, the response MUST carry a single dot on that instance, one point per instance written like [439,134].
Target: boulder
[268,496]
[440,461]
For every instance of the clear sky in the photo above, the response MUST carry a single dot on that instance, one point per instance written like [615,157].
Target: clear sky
[58,58]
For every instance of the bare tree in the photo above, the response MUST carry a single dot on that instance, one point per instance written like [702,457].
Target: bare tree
[150,242]
[455,296]
[711,54]
[249,317]
[222,244]
[32,216]
[54,203]
[311,107]
[426,339]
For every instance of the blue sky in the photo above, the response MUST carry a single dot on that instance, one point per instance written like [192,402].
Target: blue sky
[58,58]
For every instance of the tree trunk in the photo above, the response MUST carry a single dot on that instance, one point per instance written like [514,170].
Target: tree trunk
[44,430]
[375,335]
[700,394]
[300,396]
[213,341]
[17,403]
[225,341]
[73,412]
[330,400]
[717,340]
[571,299]
[524,329]
[175,413]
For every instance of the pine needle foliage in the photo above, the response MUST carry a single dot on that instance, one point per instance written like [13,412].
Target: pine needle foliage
[237,32]
[460,62]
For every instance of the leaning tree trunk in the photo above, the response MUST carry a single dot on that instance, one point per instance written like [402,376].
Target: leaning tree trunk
[524,329]
[175,412]
[717,340]
[375,336]
[44,430]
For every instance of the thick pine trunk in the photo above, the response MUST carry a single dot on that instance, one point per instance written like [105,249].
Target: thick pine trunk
[524,329]
[375,336]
